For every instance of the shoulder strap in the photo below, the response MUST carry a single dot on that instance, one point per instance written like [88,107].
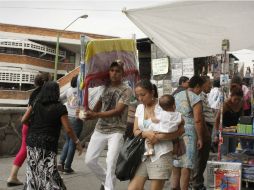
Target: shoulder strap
[188,99]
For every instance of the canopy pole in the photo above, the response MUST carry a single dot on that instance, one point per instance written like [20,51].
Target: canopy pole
[223,82]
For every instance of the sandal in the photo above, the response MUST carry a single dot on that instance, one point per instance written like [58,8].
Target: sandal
[14,183]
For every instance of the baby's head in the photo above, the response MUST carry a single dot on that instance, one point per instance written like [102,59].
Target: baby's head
[167,102]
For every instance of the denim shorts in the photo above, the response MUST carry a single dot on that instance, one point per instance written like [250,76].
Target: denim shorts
[159,169]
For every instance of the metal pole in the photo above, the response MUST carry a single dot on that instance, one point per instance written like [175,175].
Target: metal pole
[57,44]
[56,56]
[225,48]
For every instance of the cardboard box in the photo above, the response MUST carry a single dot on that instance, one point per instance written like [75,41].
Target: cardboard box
[217,170]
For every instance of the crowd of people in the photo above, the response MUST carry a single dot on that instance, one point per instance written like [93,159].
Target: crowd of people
[190,115]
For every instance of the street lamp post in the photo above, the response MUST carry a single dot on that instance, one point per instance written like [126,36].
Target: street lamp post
[57,44]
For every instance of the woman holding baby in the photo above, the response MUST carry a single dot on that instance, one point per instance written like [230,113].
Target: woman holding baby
[156,167]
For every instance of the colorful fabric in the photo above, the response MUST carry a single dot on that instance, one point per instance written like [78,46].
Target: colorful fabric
[101,53]
[98,57]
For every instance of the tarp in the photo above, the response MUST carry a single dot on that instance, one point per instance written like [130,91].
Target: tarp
[100,54]
[197,28]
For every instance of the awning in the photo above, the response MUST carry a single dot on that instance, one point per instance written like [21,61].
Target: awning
[197,28]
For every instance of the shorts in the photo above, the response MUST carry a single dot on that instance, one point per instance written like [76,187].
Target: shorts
[159,169]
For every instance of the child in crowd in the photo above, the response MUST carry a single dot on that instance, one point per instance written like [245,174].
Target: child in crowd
[168,120]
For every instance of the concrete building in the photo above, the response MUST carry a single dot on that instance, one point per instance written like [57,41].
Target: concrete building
[25,51]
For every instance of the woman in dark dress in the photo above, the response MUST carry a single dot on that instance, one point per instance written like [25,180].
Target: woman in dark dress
[47,116]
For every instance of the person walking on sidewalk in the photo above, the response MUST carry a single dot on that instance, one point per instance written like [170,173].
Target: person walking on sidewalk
[157,167]
[47,116]
[111,111]
[69,147]
[13,180]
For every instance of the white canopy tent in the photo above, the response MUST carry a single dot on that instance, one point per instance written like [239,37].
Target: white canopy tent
[185,29]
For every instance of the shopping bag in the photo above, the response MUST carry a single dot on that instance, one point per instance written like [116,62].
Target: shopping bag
[129,158]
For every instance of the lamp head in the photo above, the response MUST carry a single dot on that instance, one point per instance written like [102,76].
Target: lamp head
[84,16]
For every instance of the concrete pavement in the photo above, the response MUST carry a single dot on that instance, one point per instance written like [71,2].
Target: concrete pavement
[82,179]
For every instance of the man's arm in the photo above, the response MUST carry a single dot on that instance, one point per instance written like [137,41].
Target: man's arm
[97,106]
[217,121]
[114,112]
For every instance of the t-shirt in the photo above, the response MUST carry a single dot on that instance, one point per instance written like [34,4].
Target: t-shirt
[111,96]
[45,125]
[214,98]
[72,101]
[169,121]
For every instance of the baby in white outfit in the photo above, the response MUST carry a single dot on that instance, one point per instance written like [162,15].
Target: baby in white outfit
[168,120]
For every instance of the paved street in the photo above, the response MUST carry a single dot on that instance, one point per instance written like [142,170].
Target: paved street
[83,179]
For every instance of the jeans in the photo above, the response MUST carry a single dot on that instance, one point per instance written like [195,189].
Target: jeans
[96,145]
[69,148]
[203,155]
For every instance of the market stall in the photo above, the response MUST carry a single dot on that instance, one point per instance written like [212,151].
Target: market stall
[189,29]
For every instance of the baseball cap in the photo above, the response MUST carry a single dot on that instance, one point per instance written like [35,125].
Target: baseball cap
[117,63]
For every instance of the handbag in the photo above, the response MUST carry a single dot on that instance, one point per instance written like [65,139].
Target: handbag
[129,158]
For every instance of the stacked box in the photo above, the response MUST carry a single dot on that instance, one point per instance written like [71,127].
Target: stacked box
[245,125]
[244,129]
[240,128]
[248,129]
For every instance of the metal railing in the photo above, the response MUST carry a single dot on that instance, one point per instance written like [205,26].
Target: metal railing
[22,44]
[18,76]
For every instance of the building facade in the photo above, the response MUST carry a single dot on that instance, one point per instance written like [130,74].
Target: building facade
[25,51]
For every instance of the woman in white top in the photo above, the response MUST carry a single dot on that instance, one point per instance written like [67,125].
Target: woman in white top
[157,167]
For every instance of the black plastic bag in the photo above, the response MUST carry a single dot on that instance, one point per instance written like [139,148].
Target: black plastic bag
[129,158]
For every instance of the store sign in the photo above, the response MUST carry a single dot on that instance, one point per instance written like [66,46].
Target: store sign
[160,66]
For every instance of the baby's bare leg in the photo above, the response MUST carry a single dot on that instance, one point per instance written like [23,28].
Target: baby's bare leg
[150,147]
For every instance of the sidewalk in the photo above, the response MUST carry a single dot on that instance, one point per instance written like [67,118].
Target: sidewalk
[82,179]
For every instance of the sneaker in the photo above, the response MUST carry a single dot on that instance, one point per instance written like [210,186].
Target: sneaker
[60,167]
[12,183]
[68,171]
